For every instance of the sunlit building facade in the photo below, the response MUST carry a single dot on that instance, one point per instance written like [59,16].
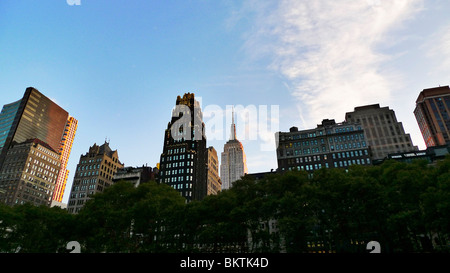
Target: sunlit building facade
[64,150]
[214,184]
[95,172]
[29,173]
[385,135]
[432,113]
[35,116]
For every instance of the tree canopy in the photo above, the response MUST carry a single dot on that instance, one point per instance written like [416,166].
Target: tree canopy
[403,206]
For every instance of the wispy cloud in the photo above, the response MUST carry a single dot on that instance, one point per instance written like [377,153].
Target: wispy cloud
[438,48]
[329,52]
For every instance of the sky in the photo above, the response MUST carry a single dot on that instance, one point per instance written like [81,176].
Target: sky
[118,66]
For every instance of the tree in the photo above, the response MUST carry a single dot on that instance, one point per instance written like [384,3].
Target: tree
[128,219]
[31,229]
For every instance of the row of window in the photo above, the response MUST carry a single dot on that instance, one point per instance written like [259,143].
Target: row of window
[336,164]
[43,150]
[175,172]
[182,186]
[177,179]
[318,133]
[315,142]
[323,149]
[177,157]
[49,159]
[179,164]
[346,138]
[91,161]
[346,163]
[350,154]
[176,151]
[345,146]
[338,155]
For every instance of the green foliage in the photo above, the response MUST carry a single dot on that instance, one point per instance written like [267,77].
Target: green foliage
[30,229]
[405,207]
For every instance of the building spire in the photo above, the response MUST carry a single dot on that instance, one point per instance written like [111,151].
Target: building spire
[233,127]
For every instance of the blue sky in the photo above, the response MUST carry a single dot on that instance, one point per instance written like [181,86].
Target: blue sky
[118,66]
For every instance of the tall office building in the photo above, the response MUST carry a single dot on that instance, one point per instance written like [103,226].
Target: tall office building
[214,183]
[233,164]
[385,135]
[183,162]
[29,173]
[94,173]
[329,145]
[37,117]
[7,116]
[433,115]
[64,152]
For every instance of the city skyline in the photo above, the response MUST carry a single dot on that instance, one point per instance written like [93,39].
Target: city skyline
[121,64]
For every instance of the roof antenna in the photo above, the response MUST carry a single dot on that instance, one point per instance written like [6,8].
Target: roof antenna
[233,127]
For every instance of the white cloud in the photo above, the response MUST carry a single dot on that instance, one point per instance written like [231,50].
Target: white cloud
[438,49]
[329,51]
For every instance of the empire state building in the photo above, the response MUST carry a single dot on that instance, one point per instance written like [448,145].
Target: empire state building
[233,161]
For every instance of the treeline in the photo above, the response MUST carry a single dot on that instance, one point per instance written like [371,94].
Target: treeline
[405,207]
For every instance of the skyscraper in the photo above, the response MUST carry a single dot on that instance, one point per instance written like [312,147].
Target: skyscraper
[385,135]
[94,173]
[233,160]
[37,117]
[183,162]
[432,113]
[64,151]
[7,116]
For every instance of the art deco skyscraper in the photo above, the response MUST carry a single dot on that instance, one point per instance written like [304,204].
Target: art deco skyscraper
[233,160]
[433,115]
[183,162]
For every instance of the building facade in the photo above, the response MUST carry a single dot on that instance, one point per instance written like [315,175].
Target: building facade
[183,162]
[95,172]
[233,164]
[214,184]
[385,135]
[29,173]
[36,116]
[431,154]
[329,145]
[432,113]
[7,116]
[136,175]
[64,153]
